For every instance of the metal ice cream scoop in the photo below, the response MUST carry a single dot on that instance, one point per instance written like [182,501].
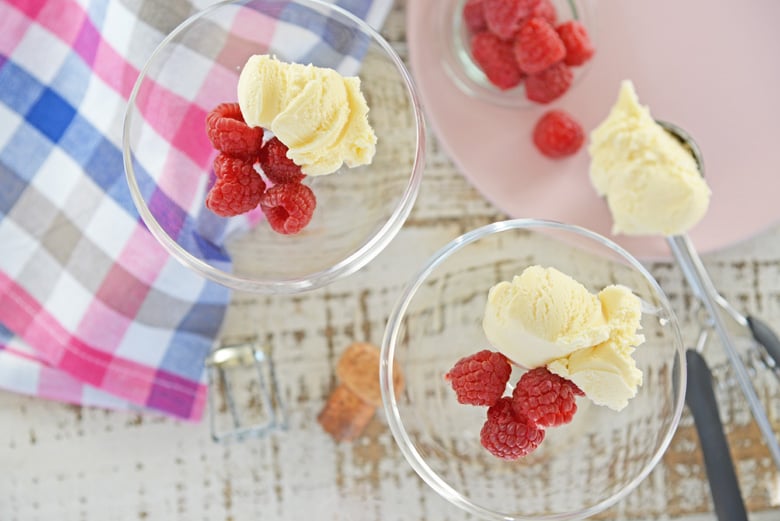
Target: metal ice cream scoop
[716,307]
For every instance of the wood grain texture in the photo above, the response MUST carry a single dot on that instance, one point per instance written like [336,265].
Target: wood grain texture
[72,463]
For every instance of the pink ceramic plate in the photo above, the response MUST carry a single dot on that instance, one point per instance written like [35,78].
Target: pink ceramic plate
[712,68]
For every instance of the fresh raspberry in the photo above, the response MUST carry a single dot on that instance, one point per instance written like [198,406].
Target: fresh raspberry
[480,379]
[557,134]
[504,17]
[288,207]
[276,165]
[496,59]
[229,134]
[537,46]
[474,16]
[507,435]
[574,36]
[238,188]
[545,9]
[550,84]
[545,398]
[225,165]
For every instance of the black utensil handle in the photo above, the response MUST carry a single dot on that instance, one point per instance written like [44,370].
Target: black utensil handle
[766,337]
[700,397]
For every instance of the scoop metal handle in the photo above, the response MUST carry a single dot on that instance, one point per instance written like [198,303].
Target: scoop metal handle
[700,397]
[702,285]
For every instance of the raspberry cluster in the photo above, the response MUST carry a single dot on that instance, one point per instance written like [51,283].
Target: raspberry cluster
[521,40]
[245,167]
[516,41]
[515,424]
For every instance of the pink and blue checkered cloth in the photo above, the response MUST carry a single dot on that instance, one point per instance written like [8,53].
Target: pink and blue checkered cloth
[93,311]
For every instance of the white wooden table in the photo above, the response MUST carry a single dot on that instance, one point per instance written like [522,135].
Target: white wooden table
[60,462]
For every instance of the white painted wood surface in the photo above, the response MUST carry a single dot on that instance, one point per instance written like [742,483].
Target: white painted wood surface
[60,462]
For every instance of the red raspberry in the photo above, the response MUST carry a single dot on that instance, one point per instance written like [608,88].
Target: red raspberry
[545,398]
[496,59]
[557,134]
[229,134]
[507,435]
[288,207]
[238,188]
[474,16]
[480,379]
[276,165]
[550,84]
[545,9]
[574,36]
[504,17]
[225,165]
[537,46]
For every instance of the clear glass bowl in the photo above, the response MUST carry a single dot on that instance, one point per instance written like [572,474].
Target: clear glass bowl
[580,468]
[168,157]
[468,76]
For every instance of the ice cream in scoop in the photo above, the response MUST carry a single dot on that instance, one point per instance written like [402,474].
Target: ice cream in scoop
[321,116]
[651,182]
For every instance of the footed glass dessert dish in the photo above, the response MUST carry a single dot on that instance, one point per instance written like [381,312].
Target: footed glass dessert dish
[171,167]
[169,159]
[580,468]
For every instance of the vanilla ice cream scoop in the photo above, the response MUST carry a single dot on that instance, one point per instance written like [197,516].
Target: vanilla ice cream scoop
[544,317]
[606,373]
[321,116]
[544,314]
[651,182]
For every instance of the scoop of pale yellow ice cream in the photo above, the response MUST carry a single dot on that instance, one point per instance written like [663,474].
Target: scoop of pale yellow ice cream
[545,317]
[321,116]
[623,312]
[541,315]
[606,373]
[651,182]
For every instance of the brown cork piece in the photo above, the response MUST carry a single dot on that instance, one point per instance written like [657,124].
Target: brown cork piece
[345,415]
[358,369]
[353,402]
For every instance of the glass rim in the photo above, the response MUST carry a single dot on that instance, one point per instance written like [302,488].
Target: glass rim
[387,359]
[350,264]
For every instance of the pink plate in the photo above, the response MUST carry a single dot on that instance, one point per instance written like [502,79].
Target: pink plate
[713,68]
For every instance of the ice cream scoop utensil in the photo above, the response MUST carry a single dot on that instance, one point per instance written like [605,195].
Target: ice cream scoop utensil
[767,339]
[703,288]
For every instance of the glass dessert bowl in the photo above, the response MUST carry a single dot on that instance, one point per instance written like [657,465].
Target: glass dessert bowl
[168,157]
[471,78]
[580,468]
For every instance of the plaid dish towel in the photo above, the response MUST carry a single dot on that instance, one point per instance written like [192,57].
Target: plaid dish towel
[93,310]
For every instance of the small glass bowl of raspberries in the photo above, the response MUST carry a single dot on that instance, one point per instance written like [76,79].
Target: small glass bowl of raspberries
[505,442]
[518,52]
